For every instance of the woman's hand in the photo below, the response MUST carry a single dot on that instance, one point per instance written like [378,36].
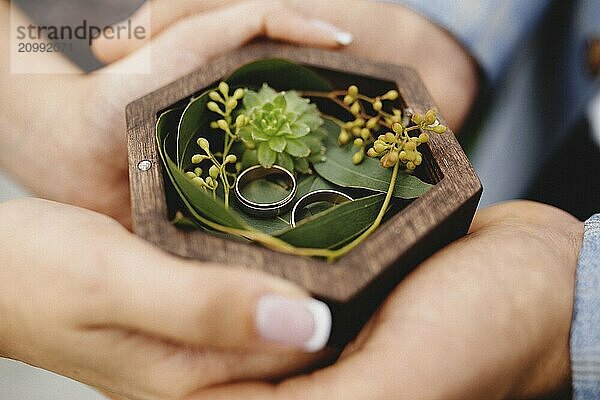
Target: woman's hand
[382,31]
[81,296]
[64,136]
[488,317]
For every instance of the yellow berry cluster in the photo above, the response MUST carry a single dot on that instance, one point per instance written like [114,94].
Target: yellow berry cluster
[398,146]
[362,129]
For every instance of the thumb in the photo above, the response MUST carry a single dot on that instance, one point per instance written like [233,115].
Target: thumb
[210,305]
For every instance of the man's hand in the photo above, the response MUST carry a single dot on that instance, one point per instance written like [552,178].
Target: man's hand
[63,137]
[81,296]
[488,317]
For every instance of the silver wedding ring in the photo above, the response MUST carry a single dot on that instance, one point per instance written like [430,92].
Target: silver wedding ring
[265,210]
[330,196]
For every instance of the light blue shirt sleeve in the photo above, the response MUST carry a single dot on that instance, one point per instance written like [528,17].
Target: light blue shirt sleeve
[490,30]
[585,331]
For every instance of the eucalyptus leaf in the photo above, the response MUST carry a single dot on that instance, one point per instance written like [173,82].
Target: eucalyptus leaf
[339,169]
[279,74]
[194,121]
[335,226]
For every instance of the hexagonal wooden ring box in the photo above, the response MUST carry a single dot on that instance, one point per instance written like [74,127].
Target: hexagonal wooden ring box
[357,283]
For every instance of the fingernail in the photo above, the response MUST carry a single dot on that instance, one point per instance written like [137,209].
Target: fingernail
[342,37]
[301,323]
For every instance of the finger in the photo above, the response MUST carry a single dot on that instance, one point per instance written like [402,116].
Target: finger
[209,305]
[159,15]
[237,23]
[191,42]
[349,380]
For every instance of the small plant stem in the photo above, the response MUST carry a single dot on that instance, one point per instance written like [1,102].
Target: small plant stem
[338,253]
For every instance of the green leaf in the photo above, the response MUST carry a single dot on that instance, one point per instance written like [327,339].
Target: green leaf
[298,130]
[284,160]
[339,169]
[266,156]
[297,148]
[277,143]
[335,226]
[251,100]
[195,199]
[300,164]
[194,122]
[279,74]
[249,159]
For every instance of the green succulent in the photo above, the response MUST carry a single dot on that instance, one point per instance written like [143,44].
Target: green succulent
[281,128]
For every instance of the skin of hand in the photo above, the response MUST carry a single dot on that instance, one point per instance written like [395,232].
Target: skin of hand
[488,317]
[382,32]
[83,297]
[63,136]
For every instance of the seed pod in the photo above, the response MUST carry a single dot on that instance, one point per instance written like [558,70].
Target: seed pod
[199,182]
[353,90]
[214,172]
[214,125]
[224,88]
[391,95]
[240,121]
[358,142]
[377,105]
[365,133]
[197,158]
[360,122]
[230,159]
[223,125]
[419,159]
[372,123]
[380,146]
[190,175]
[417,118]
[203,143]
[215,96]
[232,104]
[410,166]
[198,171]
[389,160]
[348,100]
[239,94]
[423,138]
[356,131]
[357,158]
[440,129]
[397,127]
[410,146]
[390,137]
[344,137]
[214,107]
[402,156]
[355,109]
[430,117]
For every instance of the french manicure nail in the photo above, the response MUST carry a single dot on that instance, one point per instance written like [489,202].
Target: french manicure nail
[301,323]
[342,37]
